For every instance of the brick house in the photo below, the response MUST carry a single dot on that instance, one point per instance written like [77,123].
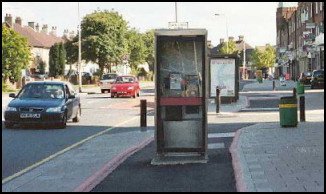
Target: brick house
[300,42]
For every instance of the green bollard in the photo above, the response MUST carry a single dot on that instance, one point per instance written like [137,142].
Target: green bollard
[300,88]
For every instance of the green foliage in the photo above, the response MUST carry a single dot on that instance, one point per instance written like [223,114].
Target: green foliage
[149,39]
[232,48]
[16,54]
[57,60]
[103,35]
[41,67]
[136,48]
[4,86]
[263,59]
[150,76]
[72,51]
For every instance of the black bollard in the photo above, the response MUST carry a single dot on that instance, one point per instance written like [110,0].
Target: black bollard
[143,113]
[294,92]
[302,109]
[217,100]
[273,84]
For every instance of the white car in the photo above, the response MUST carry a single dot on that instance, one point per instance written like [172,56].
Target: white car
[106,81]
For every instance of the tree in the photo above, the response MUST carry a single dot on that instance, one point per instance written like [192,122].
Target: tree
[136,48]
[104,38]
[232,48]
[41,66]
[71,48]
[263,59]
[57,60]
[148,38]
[16,54]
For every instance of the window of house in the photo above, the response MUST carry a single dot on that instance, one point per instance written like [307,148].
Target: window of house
[320,6]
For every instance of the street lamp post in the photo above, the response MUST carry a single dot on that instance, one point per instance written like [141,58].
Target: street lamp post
[244,61]
[227,31]
[176,12]
[79,52]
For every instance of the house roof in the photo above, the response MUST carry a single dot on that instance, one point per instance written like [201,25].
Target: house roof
[36,39]
[261,48]
[238,45]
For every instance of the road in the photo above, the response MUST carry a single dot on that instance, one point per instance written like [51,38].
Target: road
[23,147]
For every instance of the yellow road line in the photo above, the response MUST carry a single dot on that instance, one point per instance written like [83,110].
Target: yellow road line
[62,151]
[288,106]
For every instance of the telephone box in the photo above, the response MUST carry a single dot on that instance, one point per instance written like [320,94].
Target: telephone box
[181,96]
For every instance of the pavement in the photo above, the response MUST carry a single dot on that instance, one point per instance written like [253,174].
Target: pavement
[268,158]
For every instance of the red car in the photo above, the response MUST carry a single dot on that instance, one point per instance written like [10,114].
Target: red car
[127,85]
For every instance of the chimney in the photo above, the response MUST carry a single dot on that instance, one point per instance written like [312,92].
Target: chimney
[32,25]
[8,19]
[221,40]
[45,28]
[231,38]
[241,38]
[18,21]
[66,33]
[72,35]
[37,27]
[209,44]
[54,30]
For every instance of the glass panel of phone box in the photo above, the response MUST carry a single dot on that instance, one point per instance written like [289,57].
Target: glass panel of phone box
[181,77]
[181,69]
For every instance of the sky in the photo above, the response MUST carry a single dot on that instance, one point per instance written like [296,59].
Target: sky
[255,20]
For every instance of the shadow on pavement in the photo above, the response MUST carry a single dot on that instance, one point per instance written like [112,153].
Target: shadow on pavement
[136,174]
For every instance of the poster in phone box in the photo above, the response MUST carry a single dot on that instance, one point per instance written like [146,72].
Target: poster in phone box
[223,76]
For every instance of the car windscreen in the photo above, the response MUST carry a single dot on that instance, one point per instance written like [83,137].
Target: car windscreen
[125,80]
[109,76]
[319,74]
[307,74]
[43,91]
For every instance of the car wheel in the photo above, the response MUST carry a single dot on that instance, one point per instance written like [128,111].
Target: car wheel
[312,86]
[112,95]
[9,125]
[102,91]
[134,96]
[77,118]
[63,124]
[138,94]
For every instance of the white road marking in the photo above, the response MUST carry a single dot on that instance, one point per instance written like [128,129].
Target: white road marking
[218,135]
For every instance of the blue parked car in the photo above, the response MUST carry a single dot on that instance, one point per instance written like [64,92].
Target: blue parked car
[44,103]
